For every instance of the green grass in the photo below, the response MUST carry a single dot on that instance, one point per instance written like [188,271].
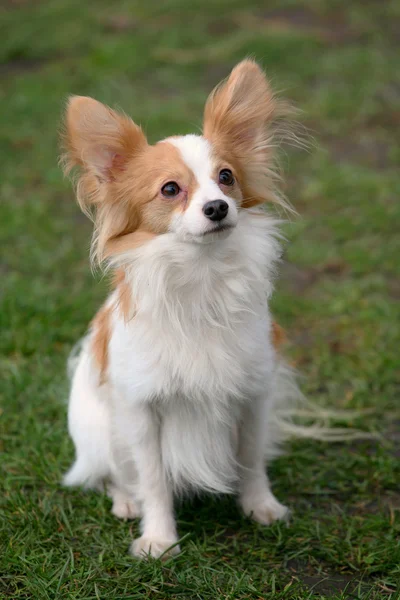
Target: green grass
[338,296]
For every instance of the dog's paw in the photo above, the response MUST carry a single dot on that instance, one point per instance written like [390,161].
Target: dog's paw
[144,547]
[124,508]
[266,510]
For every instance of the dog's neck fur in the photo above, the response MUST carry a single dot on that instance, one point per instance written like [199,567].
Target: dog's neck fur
[210,284]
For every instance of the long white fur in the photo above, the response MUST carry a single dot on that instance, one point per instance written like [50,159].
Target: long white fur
[194,386]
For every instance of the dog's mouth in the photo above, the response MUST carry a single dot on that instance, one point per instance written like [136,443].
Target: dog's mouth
[219,232]
[218,229]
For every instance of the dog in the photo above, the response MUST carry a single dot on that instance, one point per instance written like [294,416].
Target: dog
[179,384]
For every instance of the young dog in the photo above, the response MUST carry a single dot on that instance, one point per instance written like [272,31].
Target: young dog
[178,385]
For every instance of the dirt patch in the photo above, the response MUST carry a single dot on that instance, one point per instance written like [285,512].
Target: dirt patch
[394,436]
[11,4]
[370,448]
[119,23]
[391,500]
[334,267]
[386,118]
[221,27]
[366,151]
[332,28]
[394,288]
[387,503]
[298,279]
[329,584]
[21,64]
[214,73]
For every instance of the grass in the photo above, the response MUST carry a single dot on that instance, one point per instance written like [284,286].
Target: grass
[338,296]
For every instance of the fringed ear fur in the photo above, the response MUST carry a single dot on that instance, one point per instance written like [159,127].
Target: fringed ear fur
[243,117]
[99,139]
[100,142]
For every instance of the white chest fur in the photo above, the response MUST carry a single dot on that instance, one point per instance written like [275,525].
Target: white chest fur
[202,321]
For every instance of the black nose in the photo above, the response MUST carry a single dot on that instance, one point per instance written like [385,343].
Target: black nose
[216,210]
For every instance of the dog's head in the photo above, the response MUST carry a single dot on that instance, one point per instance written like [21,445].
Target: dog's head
[192,186]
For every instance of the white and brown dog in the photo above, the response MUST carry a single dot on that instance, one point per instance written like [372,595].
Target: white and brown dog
[178,385]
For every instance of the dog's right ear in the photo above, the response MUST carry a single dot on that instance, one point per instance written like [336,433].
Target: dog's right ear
[103,143]
[99,139]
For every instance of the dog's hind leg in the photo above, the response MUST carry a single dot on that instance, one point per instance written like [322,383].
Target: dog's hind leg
[89,427]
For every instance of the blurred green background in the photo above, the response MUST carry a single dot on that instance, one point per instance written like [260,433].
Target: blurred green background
[338,296]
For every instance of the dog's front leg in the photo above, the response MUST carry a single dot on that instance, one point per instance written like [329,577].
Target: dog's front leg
[255,495]
[140,428]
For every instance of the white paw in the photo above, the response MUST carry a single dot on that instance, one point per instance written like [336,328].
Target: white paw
[124,508]
[265,510]
[144,547]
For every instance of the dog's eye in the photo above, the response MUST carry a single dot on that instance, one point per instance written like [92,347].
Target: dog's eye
[170,189]
[226,177]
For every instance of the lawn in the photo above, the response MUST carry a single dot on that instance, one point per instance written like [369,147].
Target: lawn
[338,297]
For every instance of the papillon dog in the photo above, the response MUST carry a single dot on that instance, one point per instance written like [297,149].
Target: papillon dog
[179,385]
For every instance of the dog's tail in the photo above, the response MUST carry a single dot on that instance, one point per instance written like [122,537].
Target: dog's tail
[294,416]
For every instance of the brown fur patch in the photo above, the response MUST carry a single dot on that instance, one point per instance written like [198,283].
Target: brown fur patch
[122,176]
[127,242]
[239,120]
[125,300]
[223,159]
[101,326]
[278,335]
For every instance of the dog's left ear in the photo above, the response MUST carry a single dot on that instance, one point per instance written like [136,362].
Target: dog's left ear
[238,121]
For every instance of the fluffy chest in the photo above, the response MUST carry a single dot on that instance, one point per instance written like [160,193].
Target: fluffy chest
[194,358]
[201,328]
